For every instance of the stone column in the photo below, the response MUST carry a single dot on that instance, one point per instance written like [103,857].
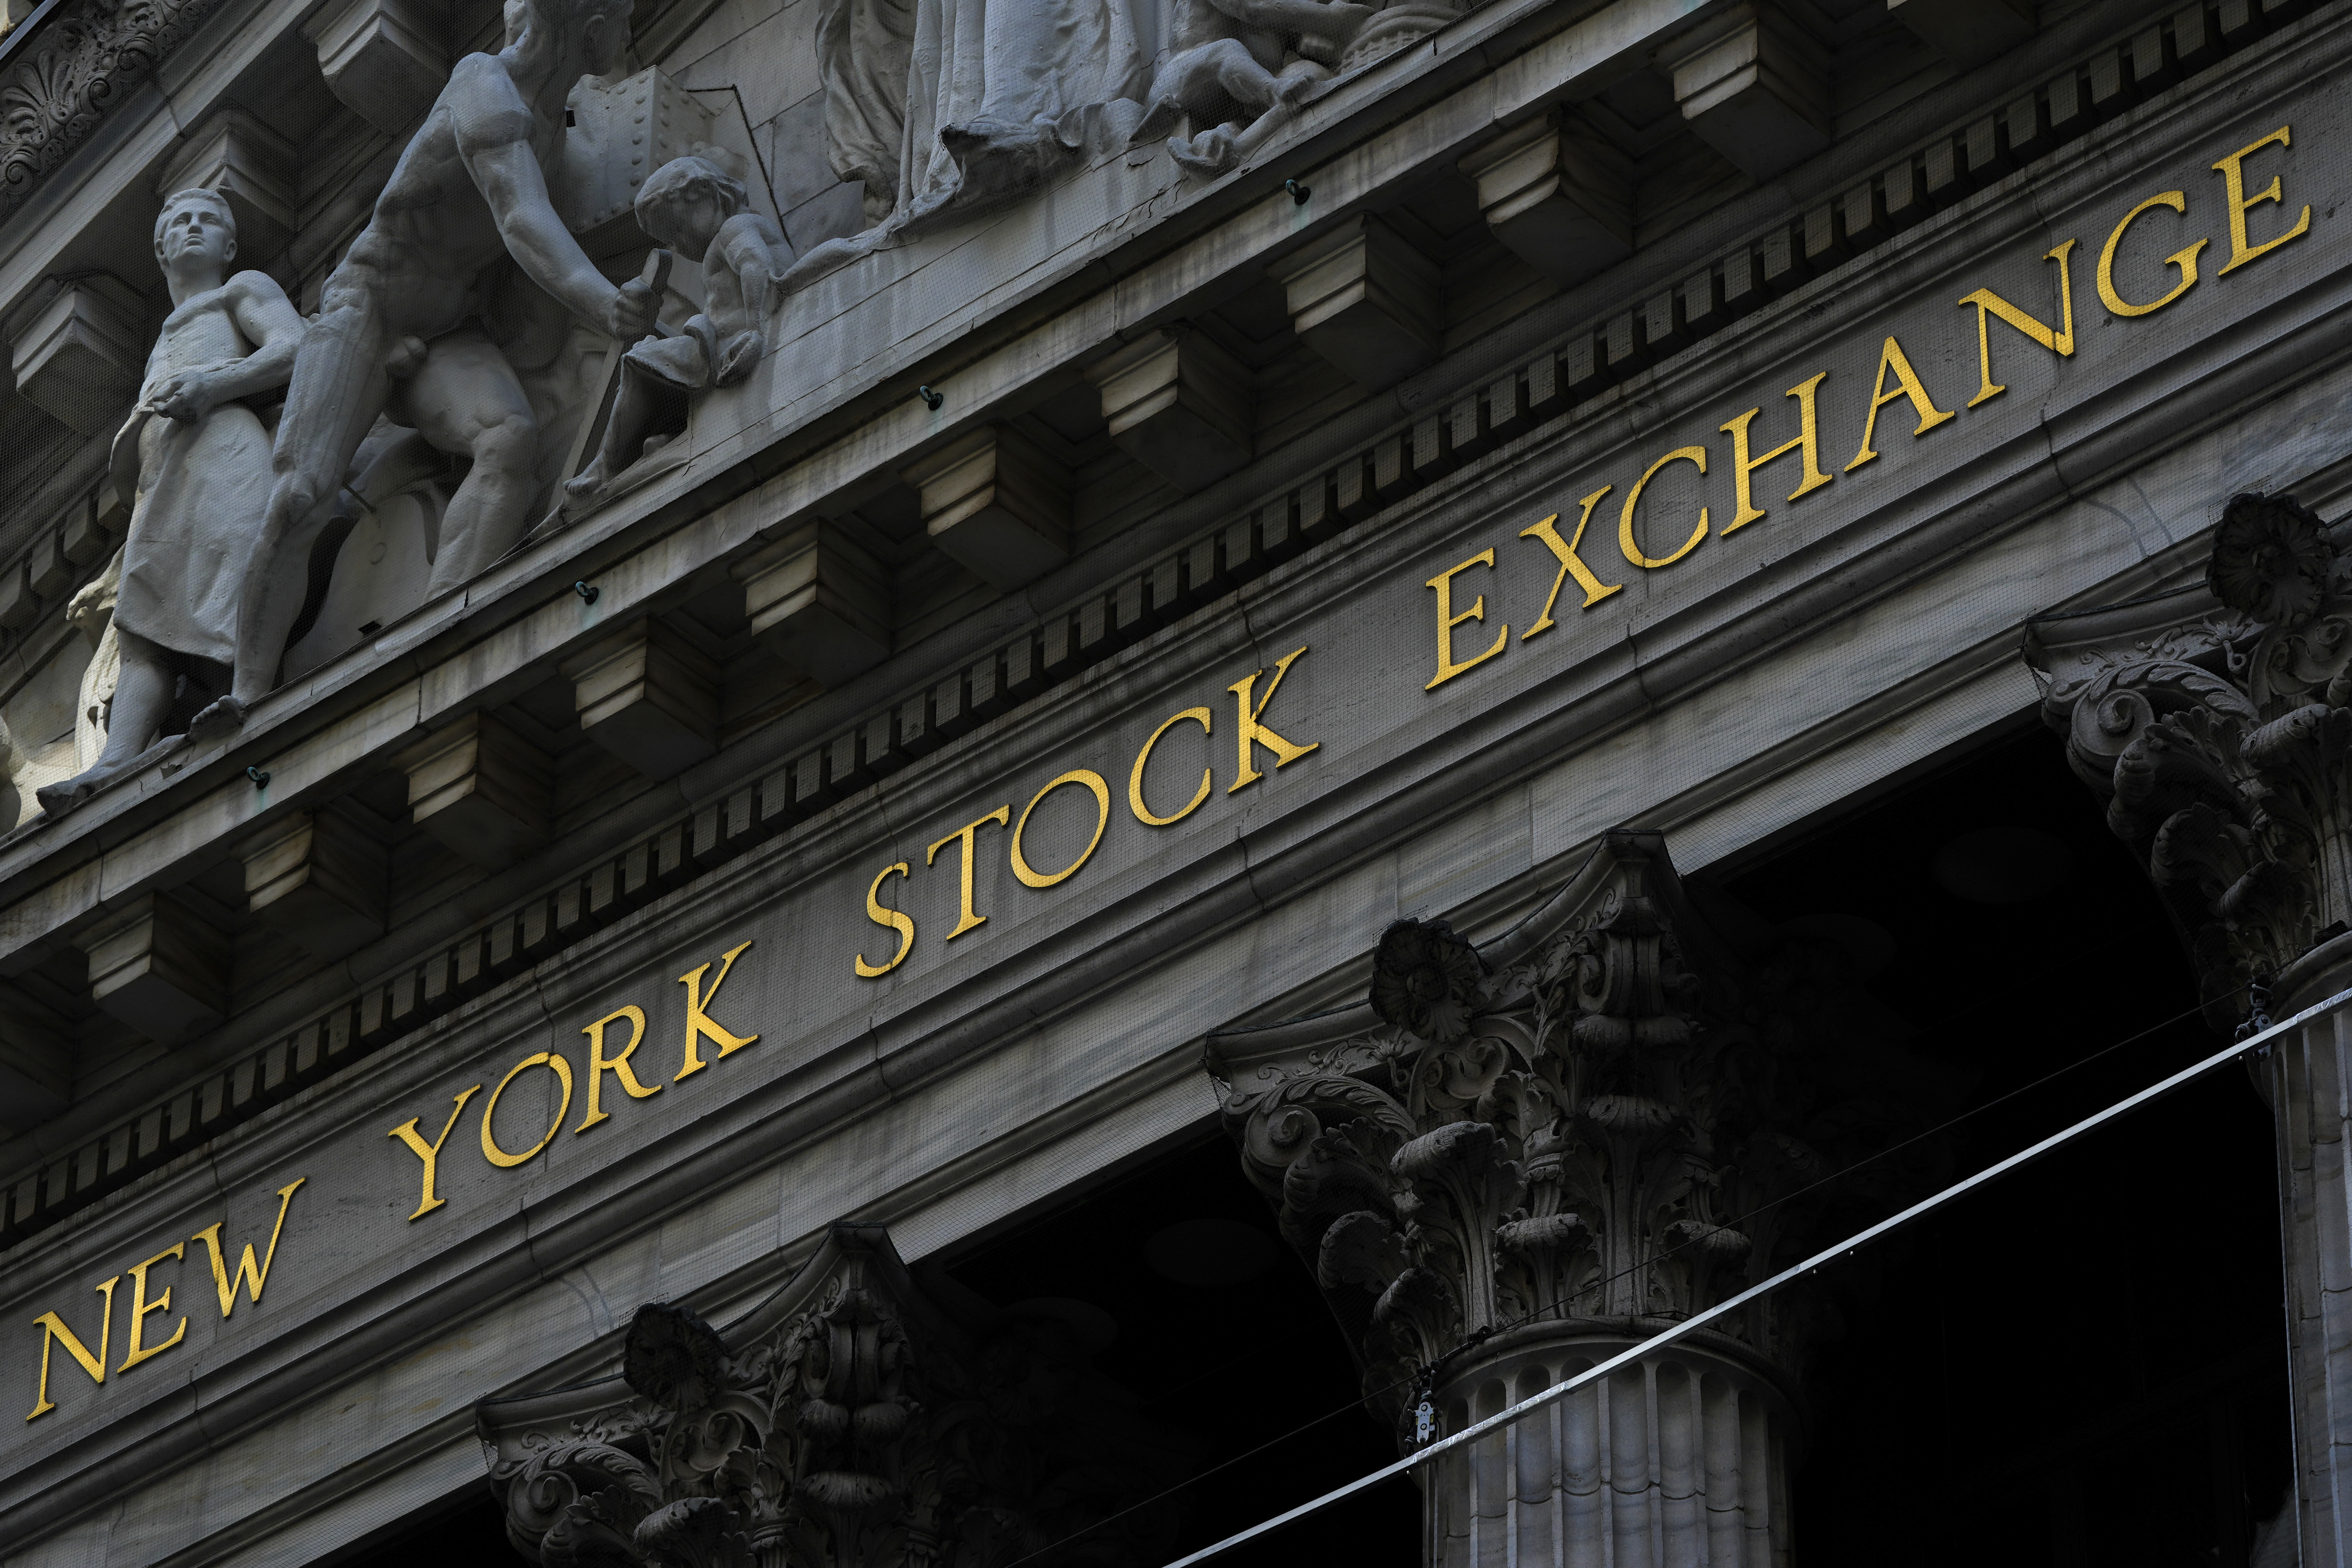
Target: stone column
[2216,723]
[1517,1159]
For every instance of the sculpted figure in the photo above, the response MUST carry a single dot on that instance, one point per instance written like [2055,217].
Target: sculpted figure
[944,108]
[200,459]
[400,324]
[1231,54]
[692,204]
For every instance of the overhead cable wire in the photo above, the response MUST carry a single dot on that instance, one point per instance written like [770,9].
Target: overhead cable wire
[2235,1051]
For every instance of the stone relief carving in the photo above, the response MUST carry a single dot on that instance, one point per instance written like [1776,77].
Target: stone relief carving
[195,457]
[692,206]
[1260,57]
[426,320]
[1515,1159]
[86,59]
[851,1421]
[2214,723]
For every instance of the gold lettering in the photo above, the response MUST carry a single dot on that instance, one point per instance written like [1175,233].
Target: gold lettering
[2234,174]
[2184,259]
[1250,733]
[1447,620]
[599,1064]
[1989,304]
[1029,875]
[430,1152]
[963,835]
[53,1329]
[1906,384]
[888,920]
[1808,437]
[1625,540]
[252,1279]
[140,1306]
[699,1021]
[1200,716]
[1571,564]
[555,1062]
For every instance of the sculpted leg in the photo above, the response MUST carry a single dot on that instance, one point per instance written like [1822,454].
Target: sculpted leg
[338,390]
[467,400]
[142,695]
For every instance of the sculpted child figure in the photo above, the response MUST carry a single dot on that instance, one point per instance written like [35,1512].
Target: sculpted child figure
[195,461]
[690,205]
[400,325]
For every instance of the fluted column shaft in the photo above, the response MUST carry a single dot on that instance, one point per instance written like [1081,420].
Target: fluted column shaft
[1676,1460]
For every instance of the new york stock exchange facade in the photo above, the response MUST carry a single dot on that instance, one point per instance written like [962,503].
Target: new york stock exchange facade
[995,781]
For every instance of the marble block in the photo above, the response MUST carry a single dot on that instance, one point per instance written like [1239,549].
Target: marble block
[385,59]
[78,357]
[1559,197]
[317,878]
[1366,300]
[481,789]
[159,967]
[1752,89]
[820,603]
[648,697]
[1178,404]
[996,504]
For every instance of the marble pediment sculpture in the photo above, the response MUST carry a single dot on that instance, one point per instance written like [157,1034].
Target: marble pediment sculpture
[404,325]
[195,457]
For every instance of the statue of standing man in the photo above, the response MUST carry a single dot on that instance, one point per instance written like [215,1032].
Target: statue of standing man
[401,329]
[202,462]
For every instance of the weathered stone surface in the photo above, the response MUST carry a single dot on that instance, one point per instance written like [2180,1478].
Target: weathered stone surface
[386,60]
[994,502]
[480,788]
[1366,300]
[77,358]
[649,697]
[621,133]
[1969,31]
[820,602]
[1560,197]
[1751,86]
[159,967]
[1178,404]
[319,879]
[36,1063]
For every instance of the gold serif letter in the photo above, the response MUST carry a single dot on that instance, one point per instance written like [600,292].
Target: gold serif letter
[1571,564]
[2234,174]
[1096,785]
[1447,669]
[1200,716]
[53,1330]
[1989,304]
[556,1063]
[429,1153]
[2184,259]
[599,1064]
[1625,540]
[137,1352]
[1250,733]
[888,920]
[968,917]
[1808,437]
[1892,361]
[252,1277]
[699,1021]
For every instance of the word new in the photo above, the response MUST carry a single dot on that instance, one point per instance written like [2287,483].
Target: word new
[248,1273]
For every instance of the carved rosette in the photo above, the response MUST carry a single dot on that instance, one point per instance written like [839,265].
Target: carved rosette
[1591,1127]
[2214,722]
[847,1423]
[85,60]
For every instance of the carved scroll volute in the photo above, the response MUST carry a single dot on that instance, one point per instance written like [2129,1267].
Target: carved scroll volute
[2217,725]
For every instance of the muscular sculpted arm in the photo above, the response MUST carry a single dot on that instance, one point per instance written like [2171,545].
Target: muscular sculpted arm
[493,128]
